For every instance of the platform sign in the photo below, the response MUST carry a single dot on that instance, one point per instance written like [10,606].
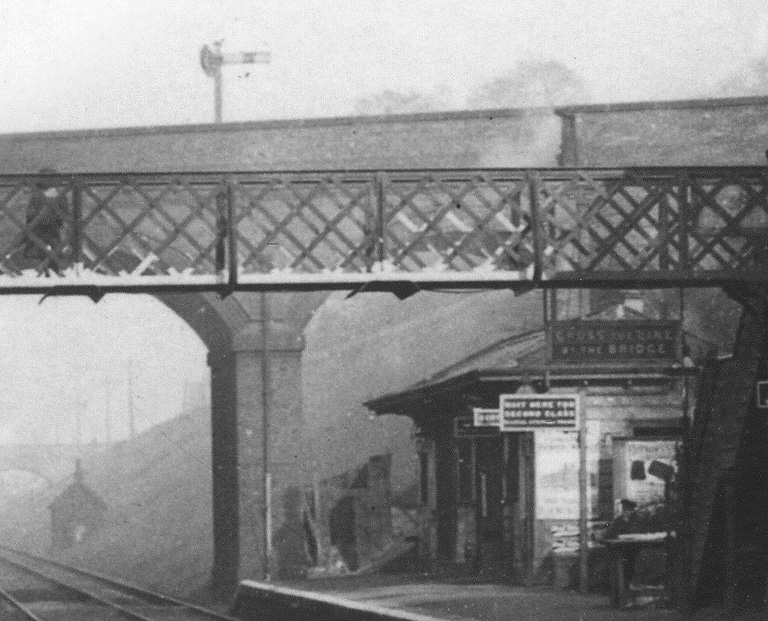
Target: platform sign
[531,412]
[486,417]
[464,427]
[600,342]
[762,394]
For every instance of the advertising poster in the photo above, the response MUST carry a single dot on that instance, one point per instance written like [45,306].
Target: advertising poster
[557,475]
[642,486]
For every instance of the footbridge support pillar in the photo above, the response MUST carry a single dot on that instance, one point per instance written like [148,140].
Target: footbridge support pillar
[258,452]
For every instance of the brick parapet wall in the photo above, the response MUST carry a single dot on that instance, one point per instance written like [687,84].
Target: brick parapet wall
[676,133]
[714,131]
[440,140]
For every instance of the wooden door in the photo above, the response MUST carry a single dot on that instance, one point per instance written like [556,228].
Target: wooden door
[520,504]
[527,503]
[489,508]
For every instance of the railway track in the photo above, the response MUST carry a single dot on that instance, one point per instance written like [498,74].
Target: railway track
[33,588]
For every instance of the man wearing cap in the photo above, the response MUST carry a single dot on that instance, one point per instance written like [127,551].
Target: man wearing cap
[46,217]
[621,525]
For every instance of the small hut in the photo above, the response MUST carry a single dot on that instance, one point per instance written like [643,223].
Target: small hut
[76,513]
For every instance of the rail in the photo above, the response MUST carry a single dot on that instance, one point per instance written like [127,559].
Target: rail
[22,612]
[519,228]
[129,600]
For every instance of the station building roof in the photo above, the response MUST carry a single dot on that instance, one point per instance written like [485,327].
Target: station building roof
[504,366]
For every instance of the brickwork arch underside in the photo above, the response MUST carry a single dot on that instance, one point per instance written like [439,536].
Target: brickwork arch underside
[232,330]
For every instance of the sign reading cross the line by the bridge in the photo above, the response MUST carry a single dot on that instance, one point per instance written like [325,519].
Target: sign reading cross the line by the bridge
[530,412]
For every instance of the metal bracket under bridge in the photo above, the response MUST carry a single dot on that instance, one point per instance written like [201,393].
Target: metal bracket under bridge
[397,230]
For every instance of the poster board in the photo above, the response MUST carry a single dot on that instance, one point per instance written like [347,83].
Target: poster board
[557,475]
[632,460]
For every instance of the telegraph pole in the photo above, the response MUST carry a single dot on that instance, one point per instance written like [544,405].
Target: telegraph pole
[79,425]
[108,413]
[212,59]
[131,417]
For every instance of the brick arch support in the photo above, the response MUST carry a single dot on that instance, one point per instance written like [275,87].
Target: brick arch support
[254,342]
[240,354]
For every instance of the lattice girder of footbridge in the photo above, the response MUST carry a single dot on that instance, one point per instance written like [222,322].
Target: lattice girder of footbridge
[638,227]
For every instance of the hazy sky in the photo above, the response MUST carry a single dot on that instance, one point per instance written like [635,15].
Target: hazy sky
[69,64]
[67,353]
[96,63]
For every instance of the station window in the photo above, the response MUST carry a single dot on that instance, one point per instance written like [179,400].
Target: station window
[465,469]
[658,428]
[658,431]
[637,470]
[424,477]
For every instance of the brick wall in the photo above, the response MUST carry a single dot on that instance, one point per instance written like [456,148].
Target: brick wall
[706,132]
[440,140]
[724,131]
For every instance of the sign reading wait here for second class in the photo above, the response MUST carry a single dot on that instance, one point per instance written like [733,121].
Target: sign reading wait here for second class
[529,412]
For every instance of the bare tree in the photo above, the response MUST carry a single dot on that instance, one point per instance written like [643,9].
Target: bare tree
[531,84]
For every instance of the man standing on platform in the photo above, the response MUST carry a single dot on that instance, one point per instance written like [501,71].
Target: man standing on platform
[622,525]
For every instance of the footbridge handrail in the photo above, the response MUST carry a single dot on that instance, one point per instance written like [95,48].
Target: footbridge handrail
[386,229]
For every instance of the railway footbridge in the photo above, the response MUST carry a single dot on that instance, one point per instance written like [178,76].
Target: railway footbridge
[245,258]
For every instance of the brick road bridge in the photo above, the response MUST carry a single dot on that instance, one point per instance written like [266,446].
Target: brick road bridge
[52,462]
[209,244]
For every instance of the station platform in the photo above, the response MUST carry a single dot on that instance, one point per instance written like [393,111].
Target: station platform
[456,600]
[426,597]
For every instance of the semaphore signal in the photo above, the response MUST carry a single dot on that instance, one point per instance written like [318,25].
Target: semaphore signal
[212,59]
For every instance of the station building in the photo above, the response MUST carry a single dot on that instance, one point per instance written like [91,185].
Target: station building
[77,513]
[506,505]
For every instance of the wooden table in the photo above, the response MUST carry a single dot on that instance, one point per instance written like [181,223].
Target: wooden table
[617,548]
